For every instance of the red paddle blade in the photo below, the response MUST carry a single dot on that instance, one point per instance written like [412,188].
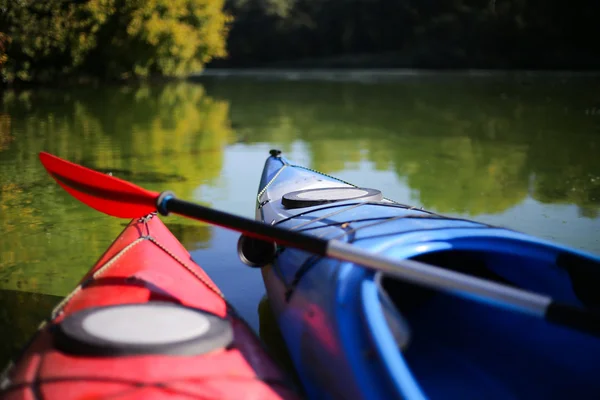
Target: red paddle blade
[103,192]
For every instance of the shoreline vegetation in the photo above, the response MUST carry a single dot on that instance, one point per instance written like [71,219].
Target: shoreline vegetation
[407,61]
[108,40]
[58,42]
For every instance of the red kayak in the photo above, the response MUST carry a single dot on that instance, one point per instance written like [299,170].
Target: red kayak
[145,323]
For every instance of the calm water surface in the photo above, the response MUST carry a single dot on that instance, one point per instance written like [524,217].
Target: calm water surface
[514,151]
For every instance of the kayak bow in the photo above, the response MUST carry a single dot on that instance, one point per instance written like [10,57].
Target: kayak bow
[361,334]
[124,199]
[146,322]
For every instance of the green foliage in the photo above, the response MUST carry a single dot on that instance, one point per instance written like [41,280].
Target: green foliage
[112,39]
[465,145]
[154,135]
[49,38]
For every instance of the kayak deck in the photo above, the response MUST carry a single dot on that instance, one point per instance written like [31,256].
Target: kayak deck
[145,323]
[355,333]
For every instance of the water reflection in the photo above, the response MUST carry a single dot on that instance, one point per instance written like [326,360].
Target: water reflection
[20,315]
[166,136]
[515,152]
[192,236]
[5,136]
[271,334]
[471,146]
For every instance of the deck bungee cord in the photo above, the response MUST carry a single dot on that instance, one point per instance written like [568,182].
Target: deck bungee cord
[356,331]
[144,322]
[123,199]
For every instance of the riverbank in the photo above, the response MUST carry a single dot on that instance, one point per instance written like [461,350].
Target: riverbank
[374,75]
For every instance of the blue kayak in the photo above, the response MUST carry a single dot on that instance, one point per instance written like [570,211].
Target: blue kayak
[353,333]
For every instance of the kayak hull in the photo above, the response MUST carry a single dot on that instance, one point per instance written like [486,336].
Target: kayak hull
[352,333]
[148,269]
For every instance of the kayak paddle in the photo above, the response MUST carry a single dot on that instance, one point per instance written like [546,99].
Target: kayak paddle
[119,198]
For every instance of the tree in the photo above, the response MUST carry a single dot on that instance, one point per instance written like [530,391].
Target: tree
[112,39]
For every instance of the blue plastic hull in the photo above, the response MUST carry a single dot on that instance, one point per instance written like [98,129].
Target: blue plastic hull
[353,334]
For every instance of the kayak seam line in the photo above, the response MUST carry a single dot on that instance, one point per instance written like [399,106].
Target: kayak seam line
[208,284]
[342,223]
[342,204]
[383,221]
[60,307]
[269,183]
[331,214]
[400,239]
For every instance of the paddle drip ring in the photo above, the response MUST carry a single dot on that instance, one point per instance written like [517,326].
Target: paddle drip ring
[255,252]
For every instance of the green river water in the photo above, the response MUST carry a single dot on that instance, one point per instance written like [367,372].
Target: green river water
[513,150]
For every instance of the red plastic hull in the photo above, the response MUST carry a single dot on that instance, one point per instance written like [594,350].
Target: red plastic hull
[147,270]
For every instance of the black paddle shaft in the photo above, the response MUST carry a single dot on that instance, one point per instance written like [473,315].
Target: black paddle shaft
[540,305]
[167,202]
[107,194]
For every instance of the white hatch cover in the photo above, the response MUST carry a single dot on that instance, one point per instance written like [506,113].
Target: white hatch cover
[315,197]
[147,328]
